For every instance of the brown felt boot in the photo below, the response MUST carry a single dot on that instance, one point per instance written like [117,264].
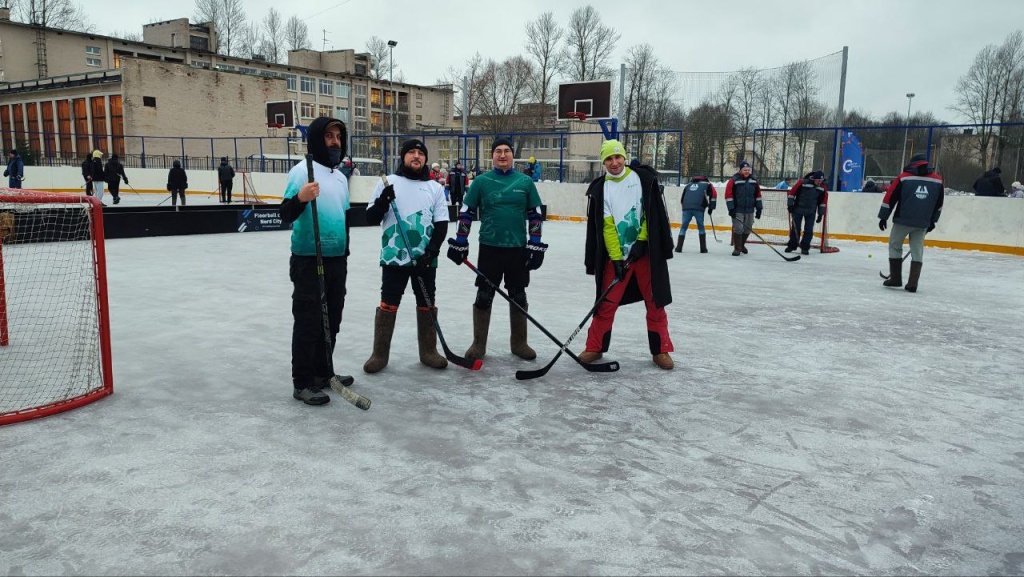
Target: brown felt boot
[481,324]
[895,273]
[664,361]
[427,336]
[590,356]
[679,243]
[915,274]
[517,340]
[703,242]
[383,329]
[743,242]
[735,244]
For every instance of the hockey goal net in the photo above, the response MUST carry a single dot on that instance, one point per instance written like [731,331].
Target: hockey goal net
[775,223]
[54,323]
[249,189]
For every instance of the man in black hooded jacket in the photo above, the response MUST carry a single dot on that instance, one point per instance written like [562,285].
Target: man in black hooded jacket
[990,183]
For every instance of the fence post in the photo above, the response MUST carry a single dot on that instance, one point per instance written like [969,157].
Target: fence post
[183,152]
[679,159]
[142,156]
[262,160]
[561,158]
[235,141]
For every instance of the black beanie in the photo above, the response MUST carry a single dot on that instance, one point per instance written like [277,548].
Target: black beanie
[413,143]
[499,141]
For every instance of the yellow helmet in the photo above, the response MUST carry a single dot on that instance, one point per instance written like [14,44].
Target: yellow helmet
[532,159]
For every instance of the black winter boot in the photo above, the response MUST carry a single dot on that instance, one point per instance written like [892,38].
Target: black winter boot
[703,238]
[679,243]
[481,324]
[915,274]
[383,329]
[736,244]
[895,273]
[743,242]
[427,336]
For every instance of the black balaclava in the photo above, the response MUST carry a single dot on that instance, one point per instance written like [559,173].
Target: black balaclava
[329,157]
[403,170]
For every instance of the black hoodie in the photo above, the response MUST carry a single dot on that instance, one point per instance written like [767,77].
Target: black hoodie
[315,140]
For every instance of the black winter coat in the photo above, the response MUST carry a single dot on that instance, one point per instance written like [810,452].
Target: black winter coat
[177,179]
[659,238]
[114,172]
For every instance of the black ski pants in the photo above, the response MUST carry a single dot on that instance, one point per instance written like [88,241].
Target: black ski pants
[309,352]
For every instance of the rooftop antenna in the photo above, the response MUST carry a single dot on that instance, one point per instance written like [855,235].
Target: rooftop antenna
[324,49]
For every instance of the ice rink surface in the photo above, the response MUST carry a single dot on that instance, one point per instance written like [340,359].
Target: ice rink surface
[816,423]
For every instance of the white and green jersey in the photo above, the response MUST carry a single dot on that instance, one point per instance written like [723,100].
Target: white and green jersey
[330,208]
[623,209]
[421,203]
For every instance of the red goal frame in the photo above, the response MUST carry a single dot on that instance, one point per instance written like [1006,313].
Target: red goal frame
[99,266]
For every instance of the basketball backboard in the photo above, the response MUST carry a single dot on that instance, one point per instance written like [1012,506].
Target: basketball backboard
[282,113]
[593,99]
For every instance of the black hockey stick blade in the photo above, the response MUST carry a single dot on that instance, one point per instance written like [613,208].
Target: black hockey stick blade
[350,395]
[885,276]
[471,364]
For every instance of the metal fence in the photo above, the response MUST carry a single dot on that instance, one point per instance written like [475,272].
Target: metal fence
[960,152]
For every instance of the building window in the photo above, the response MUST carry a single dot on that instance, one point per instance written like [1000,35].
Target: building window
[307,85]
[291,81]
[360,89]
[360,108]
[93,62]
[341,90]
[149,101]
[326,87]
[419,117]
[199,43]
[419,96]
[99,122]
[268,73]
[308,109]
[95,50]
[325,110]
[361,126]
[375,97]
[200,64]
[419,105]
[247,70]
[341,113]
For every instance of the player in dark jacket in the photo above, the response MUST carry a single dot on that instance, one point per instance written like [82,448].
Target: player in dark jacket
[914,200]
[177,182]
[114,172]
[808,197]
[697,195]
[226,178]
[628,238]
[743,201]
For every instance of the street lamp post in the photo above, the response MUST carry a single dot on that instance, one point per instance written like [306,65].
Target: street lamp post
[394,97]
[906,133]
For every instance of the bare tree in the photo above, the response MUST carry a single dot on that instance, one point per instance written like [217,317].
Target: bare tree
[503,87]
[296,34]
[250,41]
[129,36]
[588,45]
[471,71]
[991,92]
[64,14]
[726,104]
[746,109]
[788,90]
[542,39]
[272,36]
[380,57]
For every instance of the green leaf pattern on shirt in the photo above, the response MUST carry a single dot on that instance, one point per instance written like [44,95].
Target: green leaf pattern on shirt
[394,248]
[628,229]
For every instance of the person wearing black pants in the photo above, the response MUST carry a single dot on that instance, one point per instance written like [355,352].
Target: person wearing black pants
[226,176]
[311,367]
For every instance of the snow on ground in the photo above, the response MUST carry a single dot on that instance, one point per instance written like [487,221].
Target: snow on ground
[816,423]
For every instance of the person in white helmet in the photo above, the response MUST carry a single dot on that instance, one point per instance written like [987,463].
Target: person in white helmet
[1016,190]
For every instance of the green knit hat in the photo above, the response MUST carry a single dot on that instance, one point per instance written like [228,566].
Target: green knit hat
[611,148]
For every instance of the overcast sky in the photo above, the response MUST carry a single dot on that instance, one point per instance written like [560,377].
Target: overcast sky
[896,46]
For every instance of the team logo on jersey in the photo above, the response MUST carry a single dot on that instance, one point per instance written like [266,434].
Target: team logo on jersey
[694,186]
[921,192]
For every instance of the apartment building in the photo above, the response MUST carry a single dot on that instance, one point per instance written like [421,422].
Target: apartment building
[65,93]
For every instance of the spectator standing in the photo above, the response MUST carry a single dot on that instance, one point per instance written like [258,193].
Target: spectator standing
[226,176]
[533,169]
[15,171]
[990,183]
[458,181]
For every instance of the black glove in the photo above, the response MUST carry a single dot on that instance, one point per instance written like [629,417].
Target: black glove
[732,214]
[931,227]
[620,269]
[757,215]
[711,209]
[882,224]
[818,219]
[427,258]
[534,253]
[126,181]
[5,173]
[458,250]
[789,209]
[636,251]
[386,196]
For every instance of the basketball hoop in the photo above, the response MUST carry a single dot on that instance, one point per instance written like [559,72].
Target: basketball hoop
[581,116]
[272,128]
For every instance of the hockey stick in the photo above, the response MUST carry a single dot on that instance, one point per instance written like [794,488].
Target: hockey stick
[713,233]
[784,257]
[133,190]
[473,365]
[336,382]
[532,374]
[607,367]
[886,276]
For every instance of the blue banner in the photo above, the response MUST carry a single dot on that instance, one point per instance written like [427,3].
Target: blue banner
[851,171]
[255,219]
